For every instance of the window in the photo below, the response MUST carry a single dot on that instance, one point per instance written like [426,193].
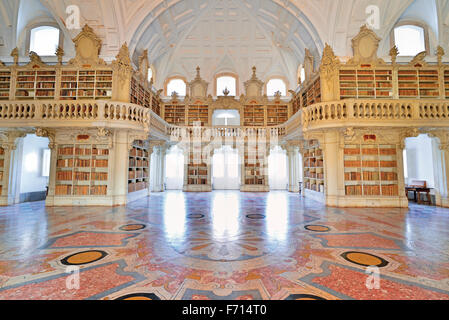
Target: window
[150,74]
[227,83]
[410,40]
[301,74]
[44,40]
[46,163]
[178,86]
[275,85]
[226,118]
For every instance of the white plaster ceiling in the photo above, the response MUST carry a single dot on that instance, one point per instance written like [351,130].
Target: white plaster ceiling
[220,35]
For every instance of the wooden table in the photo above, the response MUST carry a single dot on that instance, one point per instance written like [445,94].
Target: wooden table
[416,191]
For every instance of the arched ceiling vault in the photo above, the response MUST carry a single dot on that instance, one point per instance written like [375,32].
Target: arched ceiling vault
[271,34]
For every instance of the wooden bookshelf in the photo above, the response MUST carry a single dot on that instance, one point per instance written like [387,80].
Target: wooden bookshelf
[82,170]
[175,114]
[446,83]
[312,93]
[313,167]
[197,169]
[418,83]
[198,113]
[254,167]
[5,84]
[86,84]
[276,115]
[366,83]
[371,170]
[296,104]
[156,106]
[2,168]
[142,95]
[254,116]
[138,167]
[35,84]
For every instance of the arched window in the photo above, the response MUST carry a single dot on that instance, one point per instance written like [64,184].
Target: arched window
[44,40]
[150,74]
[410,39]
[228,84]
[176,85]
[275,85]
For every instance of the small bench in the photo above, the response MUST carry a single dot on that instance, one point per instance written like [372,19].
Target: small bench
[419,187]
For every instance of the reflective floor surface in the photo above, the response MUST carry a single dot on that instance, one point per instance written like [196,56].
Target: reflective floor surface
[223,245]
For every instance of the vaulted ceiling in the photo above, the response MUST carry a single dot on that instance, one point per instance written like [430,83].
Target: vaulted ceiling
[221,35]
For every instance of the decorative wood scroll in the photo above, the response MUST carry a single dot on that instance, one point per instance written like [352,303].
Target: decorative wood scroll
[365,46]
[254,86]
[198,87]
[87,46]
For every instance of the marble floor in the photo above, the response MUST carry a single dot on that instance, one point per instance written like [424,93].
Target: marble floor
[223,245]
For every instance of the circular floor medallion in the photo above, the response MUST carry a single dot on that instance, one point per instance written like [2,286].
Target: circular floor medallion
[304,297]
[132,227]
[139,296]
[317,228]
[364,259]
[255,216]
[195,216]
[84,257]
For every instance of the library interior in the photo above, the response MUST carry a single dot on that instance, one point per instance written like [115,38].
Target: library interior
[224,149]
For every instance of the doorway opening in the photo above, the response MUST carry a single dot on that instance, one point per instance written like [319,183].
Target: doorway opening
[174,168]
[225,169]
[30,170]
[423,170]
[278,169]
[226,118]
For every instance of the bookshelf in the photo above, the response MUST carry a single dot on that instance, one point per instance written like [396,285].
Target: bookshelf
[156,106]
[277,115]
[138,167]
[313,167]
[35,84]
[197,168]
[175,114]
[86,84]
[82,170]
[371,170]
[254,116]
[2,168]
[198,113]
[296,104]
[254,168]
[5,84]
[446,83]
[312,93]
[418,83]
[366,84]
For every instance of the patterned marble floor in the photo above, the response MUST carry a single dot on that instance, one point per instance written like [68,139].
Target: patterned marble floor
[223,245]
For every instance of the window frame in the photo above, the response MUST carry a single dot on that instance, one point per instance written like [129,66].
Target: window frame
[169,79]
[227,74]
[411,23]
[31,27]
[276,78]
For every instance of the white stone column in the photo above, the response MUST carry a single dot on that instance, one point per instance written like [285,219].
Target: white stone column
[293,168]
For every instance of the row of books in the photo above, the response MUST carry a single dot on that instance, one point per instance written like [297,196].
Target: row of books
[137,186]
[255,181]
[82,163]
[138,163]
[197,181]
[370,164]
[138,153]
[385,190]
[81,176]
[140,174]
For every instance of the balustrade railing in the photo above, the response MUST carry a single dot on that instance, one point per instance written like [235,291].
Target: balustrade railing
[372,110]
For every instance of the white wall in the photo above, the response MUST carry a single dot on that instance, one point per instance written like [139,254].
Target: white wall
[420,160]
[31,177]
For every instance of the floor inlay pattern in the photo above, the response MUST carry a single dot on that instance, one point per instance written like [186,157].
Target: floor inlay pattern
[223,245]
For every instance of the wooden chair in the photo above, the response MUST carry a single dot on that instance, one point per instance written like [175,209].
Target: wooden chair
[419,187]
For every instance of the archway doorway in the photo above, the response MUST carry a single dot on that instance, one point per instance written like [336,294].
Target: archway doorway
[174,168]
[31,170]
[278,169]
[225,169]
[226,118]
